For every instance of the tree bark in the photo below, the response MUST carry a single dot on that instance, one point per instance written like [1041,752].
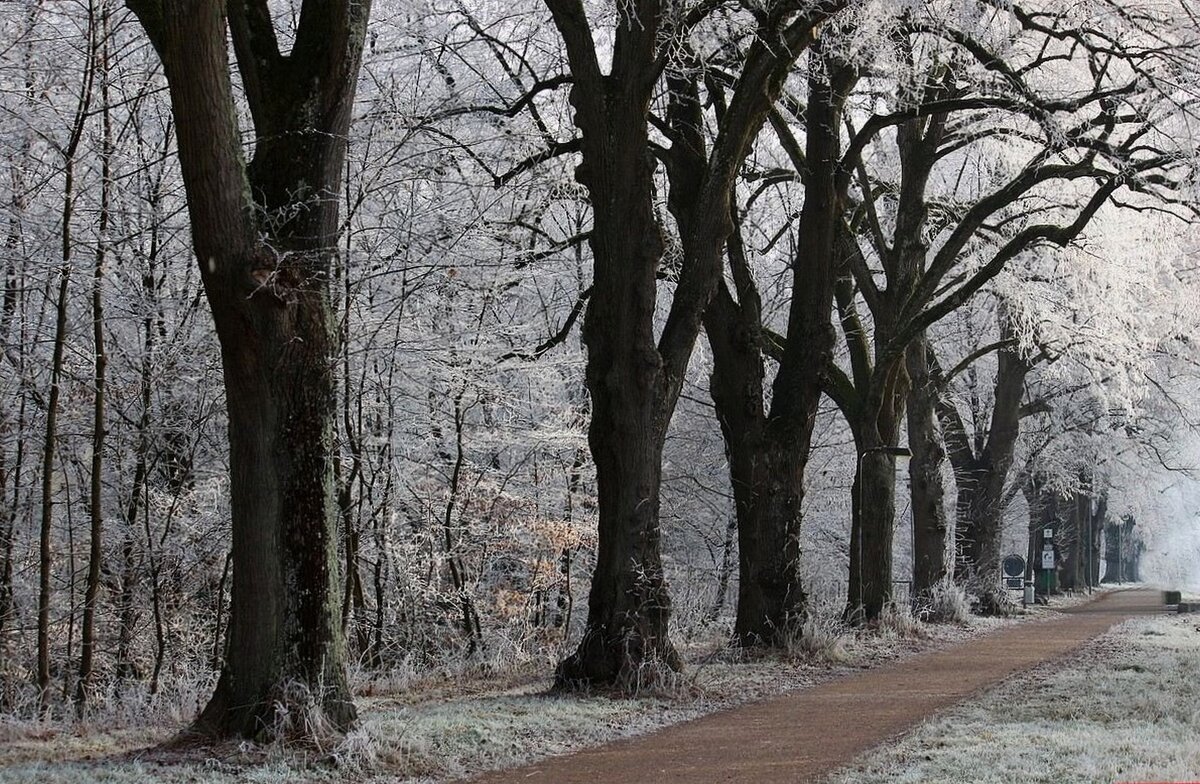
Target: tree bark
[874,504]
[284,665]
[767,484]
[930,526]
[96,498]
[625,642]
[768,450]
[981,476]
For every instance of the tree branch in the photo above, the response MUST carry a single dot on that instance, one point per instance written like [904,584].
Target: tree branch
[559,337]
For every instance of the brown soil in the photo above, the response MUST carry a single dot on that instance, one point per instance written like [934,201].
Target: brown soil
[810,733]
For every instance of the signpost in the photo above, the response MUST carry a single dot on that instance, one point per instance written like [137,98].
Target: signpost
[1048,564]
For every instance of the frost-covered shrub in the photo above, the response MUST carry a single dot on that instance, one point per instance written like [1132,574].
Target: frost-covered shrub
[946,603]
[821,637]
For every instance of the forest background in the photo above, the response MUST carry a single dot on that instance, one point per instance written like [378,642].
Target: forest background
[855,298]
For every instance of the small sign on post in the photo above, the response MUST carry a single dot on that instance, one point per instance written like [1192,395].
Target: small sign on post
[1014,571]
[1048,558]
[1047,533]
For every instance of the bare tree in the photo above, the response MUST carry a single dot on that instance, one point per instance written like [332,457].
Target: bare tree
[264,233]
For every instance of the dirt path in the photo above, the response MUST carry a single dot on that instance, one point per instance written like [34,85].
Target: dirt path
[802,736]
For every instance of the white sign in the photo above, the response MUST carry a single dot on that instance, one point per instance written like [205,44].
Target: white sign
[1048,533]
[1047,559]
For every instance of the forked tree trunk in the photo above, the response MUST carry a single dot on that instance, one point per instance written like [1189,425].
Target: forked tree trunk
[981,481]
[284,665]
[880,374]
[873,408]
[768,450]
[981,464]
[736,386]
[766,476]
[625,642]
[635,379]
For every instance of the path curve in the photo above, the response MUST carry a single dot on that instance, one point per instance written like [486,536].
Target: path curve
[811,732]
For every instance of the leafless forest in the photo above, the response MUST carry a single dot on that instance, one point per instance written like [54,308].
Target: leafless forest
[345,341]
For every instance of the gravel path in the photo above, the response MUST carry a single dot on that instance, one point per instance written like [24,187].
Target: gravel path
[812,732]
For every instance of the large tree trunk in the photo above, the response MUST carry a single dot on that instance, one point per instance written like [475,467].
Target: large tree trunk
[874,503]
[625,641]
[930,526]
[283,671]
[284,636]
[768,451]
[881,391]
[766,476]
[1078,543]
[634,380]
[981,479]
[980,525]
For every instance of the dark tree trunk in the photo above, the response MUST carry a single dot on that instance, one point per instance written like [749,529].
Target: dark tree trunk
[930,526]
[46,554]
[1095,531]
[1043,513]
[1081,543]
[874,396]
[981,477]
[766,480]
[1131,551]
[271,307]
[874,504]
[127,607]
[769,450]
[1073,541]
[1119,545]
[872,404]
[634,380]
[724,572]
[626,638]
[628,607]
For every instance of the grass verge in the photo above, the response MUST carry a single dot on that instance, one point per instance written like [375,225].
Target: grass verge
[1124,708]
